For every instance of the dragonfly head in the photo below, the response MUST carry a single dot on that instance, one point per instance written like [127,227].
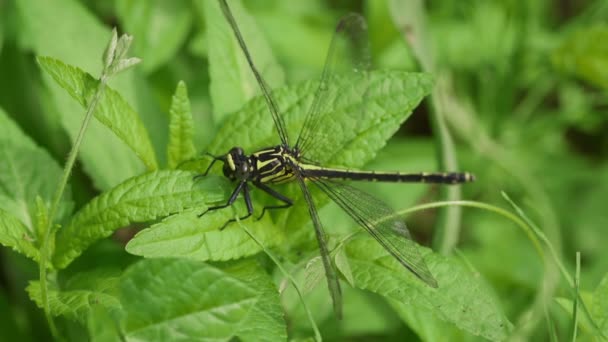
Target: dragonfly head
[237,165]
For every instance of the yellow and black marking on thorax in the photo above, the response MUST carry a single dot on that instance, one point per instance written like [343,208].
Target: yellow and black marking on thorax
[271,165]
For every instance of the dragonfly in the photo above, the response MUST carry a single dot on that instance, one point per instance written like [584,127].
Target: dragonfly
[285,163]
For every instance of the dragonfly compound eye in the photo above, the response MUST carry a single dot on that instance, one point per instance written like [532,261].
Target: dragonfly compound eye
[228,171]
[244,168]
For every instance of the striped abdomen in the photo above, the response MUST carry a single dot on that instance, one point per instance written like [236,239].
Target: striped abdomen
[356,175]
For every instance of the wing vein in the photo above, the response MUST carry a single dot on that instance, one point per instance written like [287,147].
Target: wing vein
[266,92]
[381,222]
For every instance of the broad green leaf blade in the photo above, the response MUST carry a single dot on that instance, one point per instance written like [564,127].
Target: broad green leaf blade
[91,290]
[14,234]
[582,56]
[159,27]
[181,128]
[139,199]
[353,140]
[461,299]
[112,110]
[26,171]
[180,300]
[232,82]
[41,23]
[43,31]
[188,236]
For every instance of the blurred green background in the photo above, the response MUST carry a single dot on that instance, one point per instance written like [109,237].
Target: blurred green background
[522,87]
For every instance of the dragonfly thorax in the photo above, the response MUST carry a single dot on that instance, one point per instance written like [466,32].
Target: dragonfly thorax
[269,165]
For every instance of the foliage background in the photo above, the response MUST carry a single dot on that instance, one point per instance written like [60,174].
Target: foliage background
[523,86]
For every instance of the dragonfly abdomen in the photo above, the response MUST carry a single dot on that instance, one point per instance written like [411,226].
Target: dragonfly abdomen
[393,177]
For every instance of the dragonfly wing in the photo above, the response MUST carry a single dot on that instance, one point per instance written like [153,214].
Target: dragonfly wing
[382,223]
[348,54]
[330,272]
[266,91]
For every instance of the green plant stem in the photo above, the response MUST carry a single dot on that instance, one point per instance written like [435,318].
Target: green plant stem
[488,207]
[293,282]
[574,284]
[67,170]
[447,228]
[410,19]
[577,283]
[472,204]
[539,233]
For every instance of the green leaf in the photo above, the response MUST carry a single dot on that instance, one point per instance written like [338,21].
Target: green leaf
[113,111]
[342,264]
[461,298]
[140,199]
[159,27]
[584,323]
[179,299]
[599,307]
[26,171]
[366,314]
[582,56]
[17,236]
[102,326]
[493,255]
[40,24]
[232,82]
[200,238]
[43,30]
[122,65]
[352,136]
[181,128]
[87,292]
[426,325]
[314,273]
[109,54]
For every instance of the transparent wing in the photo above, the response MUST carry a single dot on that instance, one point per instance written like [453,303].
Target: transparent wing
[270,101]
[348,54]
[330,272]
[382,223]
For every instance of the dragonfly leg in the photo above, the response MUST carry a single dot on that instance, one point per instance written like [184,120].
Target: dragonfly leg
[288,202]
[231,200]
[247,198]
[208,167]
